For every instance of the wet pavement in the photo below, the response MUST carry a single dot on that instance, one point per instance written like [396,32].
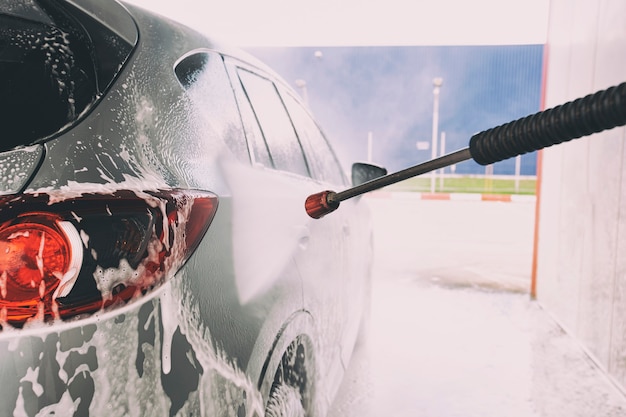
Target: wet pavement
[453,329]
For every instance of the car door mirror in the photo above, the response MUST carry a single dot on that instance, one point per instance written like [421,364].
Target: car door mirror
[363,172]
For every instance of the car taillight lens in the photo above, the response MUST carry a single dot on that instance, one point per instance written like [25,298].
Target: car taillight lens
[62,259]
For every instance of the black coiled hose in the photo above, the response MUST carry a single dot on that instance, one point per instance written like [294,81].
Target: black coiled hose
[603,110]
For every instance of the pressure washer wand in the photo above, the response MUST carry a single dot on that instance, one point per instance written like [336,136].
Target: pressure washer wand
[320,204]
[584,116]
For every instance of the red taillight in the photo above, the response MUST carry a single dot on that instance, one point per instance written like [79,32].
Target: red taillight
[36,255]
[80,255]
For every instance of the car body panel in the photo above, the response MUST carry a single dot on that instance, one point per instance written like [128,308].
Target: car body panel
[208,341]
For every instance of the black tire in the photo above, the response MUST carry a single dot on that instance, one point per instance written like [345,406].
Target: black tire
[285,402]
[292,393]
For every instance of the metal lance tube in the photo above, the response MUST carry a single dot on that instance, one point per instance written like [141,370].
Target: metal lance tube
[320,204]
[594,113]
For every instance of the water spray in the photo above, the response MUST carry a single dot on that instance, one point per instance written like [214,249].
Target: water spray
[584,116]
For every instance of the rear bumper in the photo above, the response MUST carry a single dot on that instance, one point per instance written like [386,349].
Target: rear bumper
[146,359]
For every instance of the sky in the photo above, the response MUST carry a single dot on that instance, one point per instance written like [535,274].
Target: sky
[387,92]
[362,22]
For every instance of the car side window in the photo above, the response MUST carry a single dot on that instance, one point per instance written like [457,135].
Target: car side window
[259,153]
[280,136]
[322,160]
[204,76]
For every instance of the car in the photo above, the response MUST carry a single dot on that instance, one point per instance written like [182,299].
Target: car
[156,258]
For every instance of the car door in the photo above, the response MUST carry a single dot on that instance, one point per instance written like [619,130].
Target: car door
[351,223]
[281,181]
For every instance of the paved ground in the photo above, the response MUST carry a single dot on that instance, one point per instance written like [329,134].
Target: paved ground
[454,332]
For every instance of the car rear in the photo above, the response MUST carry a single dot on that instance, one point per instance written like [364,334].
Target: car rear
[95,222]
[149,263]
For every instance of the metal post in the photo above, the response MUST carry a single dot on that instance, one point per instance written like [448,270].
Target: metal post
[301,84]
[518,164]
[488,178]
[442,152]
[437,82]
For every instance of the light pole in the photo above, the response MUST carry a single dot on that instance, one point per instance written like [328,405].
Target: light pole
[301,84]
[518,166]
[437,82]
[442,152]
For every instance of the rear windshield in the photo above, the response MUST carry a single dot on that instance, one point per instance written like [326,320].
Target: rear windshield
[56,60]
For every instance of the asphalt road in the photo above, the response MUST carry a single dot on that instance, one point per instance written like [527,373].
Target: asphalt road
[454,331]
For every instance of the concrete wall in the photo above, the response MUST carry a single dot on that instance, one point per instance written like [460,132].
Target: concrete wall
[581,257]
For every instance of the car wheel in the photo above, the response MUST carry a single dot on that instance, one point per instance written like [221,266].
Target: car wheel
[292,390]
[285,402]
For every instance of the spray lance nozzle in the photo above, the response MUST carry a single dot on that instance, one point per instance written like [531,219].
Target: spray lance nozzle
[584,116]
[320,204]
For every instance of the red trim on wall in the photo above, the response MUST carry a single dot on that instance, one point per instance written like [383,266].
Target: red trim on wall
[435,196]
[496,197]
[544,78]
